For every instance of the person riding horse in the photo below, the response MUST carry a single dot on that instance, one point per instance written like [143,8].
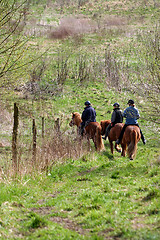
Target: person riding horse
[115,118]
[131,114]
[88,115]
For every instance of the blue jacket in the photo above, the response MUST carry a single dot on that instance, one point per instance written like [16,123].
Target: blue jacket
[131,114]
[89,115]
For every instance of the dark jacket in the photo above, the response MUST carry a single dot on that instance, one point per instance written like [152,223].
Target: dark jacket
[117,116]
[88,115]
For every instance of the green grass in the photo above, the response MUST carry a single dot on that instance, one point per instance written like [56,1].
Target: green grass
[103,197]
[96,195]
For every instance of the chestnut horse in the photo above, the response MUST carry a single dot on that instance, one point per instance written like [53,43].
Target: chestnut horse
[92,131]
[113,134]
[130,139]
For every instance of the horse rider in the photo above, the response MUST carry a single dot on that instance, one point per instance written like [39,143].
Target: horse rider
[88,115]
[131,114]
[115,118]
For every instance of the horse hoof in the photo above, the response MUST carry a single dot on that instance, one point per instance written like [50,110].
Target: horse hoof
[131,158]
[119,151]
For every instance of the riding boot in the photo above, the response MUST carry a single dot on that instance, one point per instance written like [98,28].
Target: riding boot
[82,126]
[142,137]
[121,134]
[82,131]
[107,131]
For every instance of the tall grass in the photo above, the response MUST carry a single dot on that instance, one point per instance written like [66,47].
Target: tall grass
[56,147]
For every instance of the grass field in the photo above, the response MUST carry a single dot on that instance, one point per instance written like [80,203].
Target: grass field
[105,52]
[98,196]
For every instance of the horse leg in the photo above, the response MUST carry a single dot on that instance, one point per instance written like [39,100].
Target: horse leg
[111,145]
[124,147]
[131,157]
[117,148]
[95,143]
[89,144]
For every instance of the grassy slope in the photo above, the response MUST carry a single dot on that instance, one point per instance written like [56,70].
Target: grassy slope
[98,196]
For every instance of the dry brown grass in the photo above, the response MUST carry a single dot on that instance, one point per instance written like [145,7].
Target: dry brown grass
[72,26]
[114,21]
[56,147]
[6,123]
[78,25]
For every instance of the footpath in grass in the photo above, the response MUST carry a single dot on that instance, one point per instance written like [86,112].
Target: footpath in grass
[99,196]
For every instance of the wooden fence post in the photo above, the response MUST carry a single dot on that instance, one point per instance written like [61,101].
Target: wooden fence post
[34,131]
[57,125]
[14,138]
[42,127]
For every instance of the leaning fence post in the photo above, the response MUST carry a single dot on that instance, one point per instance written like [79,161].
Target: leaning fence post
[34,131]
[14,138]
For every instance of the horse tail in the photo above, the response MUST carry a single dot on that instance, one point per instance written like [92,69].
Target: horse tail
[99,142]
[132,147]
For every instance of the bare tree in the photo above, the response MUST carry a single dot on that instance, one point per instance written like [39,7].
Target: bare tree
[12,40]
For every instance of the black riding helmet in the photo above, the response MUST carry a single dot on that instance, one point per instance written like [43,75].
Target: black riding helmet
[87,103]
[116,104]
[130,101]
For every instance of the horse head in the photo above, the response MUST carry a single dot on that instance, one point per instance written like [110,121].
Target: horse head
[104,124]
[76,119]
[71,123]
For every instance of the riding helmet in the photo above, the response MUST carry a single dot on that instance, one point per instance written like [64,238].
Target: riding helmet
[130,101]
[87,103]
[116,104]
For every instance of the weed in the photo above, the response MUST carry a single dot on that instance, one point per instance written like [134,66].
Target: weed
[152,194]
[35,221]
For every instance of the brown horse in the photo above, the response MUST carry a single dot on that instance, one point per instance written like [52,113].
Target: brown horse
[113,134]
[130,139]
[92,131]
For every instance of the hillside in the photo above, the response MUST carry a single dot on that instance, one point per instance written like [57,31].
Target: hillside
[64,53]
